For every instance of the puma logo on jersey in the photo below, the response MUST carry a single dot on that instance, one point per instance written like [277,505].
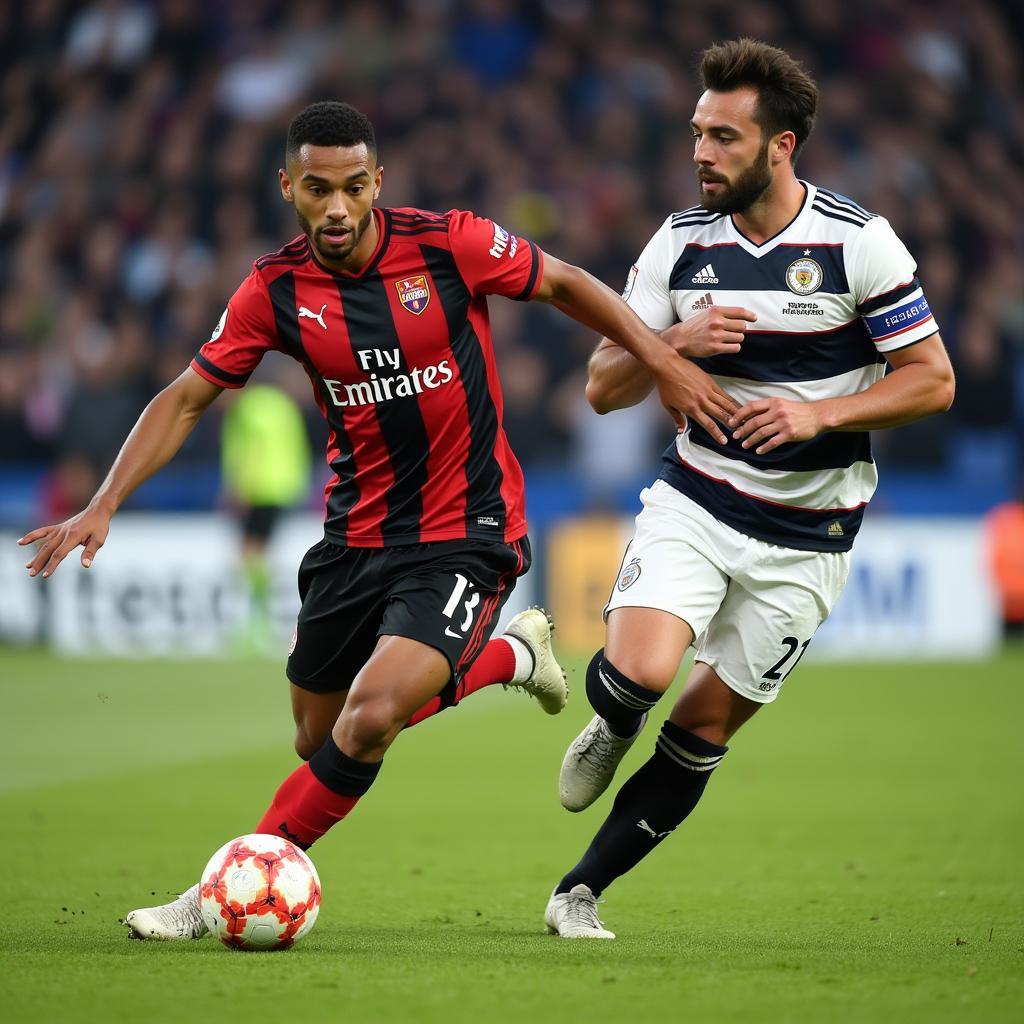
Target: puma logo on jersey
[318,317]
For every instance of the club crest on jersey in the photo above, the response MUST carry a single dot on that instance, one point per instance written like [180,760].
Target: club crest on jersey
[414,293]
[629,575]
[804,276]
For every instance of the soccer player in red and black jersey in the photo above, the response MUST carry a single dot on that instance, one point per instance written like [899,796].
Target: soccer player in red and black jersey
[425,532]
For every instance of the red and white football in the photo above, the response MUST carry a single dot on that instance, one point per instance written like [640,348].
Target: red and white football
[259,892]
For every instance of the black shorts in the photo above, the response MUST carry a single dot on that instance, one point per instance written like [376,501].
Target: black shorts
[258,521]
[446,594]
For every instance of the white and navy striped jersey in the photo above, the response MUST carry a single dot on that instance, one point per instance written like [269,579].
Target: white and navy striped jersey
[832,291]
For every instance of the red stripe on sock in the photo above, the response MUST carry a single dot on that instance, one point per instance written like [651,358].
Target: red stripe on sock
[496,664]
[303,809]
[428,710]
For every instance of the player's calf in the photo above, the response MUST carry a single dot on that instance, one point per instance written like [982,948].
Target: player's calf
[649,807]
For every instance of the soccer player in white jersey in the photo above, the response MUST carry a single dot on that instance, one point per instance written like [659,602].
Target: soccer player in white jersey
[794,299]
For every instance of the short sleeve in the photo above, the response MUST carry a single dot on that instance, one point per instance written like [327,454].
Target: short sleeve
[647,292]
[491,260]
[883,281]
[246,331]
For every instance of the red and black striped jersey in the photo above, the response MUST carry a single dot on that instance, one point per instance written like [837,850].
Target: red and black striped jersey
[402,365]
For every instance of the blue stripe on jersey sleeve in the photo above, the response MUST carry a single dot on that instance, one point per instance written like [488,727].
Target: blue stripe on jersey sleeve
[885,325]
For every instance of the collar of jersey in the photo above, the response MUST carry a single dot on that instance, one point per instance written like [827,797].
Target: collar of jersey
[770,243]
[383,237]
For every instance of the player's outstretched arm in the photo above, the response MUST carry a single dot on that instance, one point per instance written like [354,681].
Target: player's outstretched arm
[617,380]
[920,383]
[153,442]
[684,389]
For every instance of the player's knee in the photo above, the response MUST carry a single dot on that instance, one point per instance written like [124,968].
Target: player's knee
[368,723]
[646,668]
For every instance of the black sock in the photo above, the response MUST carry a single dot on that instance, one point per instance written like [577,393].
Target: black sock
[340,773]
[649,806]
[616,698]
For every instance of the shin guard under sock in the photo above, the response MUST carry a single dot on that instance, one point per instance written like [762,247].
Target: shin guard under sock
[616,698]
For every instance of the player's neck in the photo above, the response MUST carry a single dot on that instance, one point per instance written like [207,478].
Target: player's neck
[774,211]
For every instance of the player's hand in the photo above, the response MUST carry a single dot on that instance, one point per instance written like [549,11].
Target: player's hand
[687,391]
[89,529]
[766,423]
[711,332]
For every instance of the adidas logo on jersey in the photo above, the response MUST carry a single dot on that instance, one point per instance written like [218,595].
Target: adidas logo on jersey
[706,275]
[704,302]
[835,529]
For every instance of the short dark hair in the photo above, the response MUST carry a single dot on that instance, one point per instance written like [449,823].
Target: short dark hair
[787,98]
[328,123]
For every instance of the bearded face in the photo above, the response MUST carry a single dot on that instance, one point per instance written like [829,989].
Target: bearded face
[720,193]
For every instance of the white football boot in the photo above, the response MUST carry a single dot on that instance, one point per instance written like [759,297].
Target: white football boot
[179,919]
[546,680]
[573,915]
[590,763]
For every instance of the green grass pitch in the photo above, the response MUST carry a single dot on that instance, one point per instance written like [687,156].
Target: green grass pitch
[858,857]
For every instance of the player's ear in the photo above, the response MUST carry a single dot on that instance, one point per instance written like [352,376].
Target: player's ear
[286,185]
[783,146]
[378,178]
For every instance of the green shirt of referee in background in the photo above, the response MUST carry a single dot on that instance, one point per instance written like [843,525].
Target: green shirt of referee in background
[265,468]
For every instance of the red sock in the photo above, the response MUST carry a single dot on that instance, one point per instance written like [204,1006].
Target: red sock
[303,809]
[495,664]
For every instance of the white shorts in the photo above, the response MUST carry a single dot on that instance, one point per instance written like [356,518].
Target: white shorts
[753,606]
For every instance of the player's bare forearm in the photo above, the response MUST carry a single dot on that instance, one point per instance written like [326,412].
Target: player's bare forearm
[615,379]
[152,443]
[920,384]
[593,304]
[684,389]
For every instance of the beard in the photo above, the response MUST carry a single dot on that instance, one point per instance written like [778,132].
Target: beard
[328,251]
[748,187]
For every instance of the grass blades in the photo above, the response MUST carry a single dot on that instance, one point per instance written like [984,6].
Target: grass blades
[856,858]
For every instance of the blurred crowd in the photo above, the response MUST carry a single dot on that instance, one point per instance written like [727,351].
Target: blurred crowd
[139,144]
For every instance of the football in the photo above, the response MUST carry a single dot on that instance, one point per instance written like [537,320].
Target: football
[259,892]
